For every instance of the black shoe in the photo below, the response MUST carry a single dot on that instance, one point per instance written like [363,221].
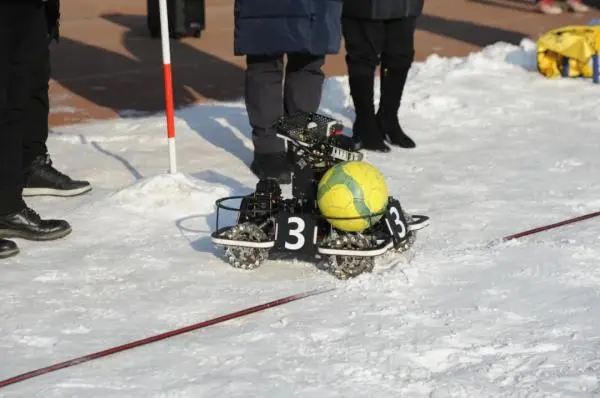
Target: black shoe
[8,248]
[392,85]
[371,145]
[393,131]
[43,179]
[272,166]
[27,224]
[367,135]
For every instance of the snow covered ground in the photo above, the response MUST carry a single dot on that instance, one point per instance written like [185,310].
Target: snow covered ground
[500,149]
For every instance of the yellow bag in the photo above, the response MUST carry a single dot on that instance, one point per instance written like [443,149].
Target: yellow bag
[578,43]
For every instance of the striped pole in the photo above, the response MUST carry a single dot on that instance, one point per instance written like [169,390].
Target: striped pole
[168,80]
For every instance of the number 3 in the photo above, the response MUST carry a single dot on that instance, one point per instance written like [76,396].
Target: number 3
[401,227]
[296,232]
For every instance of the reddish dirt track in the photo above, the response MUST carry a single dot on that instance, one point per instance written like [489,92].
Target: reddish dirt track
[106,62]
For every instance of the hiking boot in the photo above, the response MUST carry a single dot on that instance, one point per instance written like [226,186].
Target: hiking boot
[44,179]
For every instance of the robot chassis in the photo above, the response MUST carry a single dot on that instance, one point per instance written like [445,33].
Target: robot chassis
[268,222]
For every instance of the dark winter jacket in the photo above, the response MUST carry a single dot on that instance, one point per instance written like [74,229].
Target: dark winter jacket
[269,27]
[382,9]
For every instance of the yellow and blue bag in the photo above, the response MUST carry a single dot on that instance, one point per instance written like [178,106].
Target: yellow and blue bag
[570,51]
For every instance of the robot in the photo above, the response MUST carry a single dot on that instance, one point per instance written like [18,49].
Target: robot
[267,222]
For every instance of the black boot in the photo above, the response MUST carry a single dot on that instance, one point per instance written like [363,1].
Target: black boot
[392,87]
[8,248]
[274,166]
[365,132]
[44,179]
[27,224]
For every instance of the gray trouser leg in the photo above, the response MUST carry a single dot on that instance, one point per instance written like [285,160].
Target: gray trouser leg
[264,101]
[303,83]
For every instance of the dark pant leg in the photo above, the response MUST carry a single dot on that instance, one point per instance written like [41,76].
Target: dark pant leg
[303,83]
[10,142]
[22,42]
[399,47]
[264,101]
[35,132]
[396,60]
[364,42]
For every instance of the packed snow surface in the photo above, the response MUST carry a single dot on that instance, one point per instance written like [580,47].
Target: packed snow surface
[500,150]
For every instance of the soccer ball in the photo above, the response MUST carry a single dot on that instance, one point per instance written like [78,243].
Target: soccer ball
[353,190]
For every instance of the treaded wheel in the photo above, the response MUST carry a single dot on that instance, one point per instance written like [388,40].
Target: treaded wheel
[246,257]
[347,267]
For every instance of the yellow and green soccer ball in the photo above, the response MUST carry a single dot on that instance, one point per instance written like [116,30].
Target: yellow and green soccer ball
[354,190]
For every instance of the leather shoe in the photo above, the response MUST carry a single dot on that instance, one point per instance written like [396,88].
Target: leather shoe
[27,224]
[8,248]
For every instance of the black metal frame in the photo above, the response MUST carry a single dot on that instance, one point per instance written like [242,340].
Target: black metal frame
[220,206]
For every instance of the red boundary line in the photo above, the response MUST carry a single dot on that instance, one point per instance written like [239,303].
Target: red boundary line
[233,315]
[550,226]
[128,346]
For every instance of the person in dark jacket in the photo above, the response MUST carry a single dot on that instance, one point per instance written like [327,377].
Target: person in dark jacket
[265,31]
[25,31]
[379,32]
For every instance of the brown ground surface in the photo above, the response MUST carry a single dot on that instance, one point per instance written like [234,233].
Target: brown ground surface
[106,61]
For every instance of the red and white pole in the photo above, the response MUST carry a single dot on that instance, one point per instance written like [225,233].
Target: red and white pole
[168,79]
